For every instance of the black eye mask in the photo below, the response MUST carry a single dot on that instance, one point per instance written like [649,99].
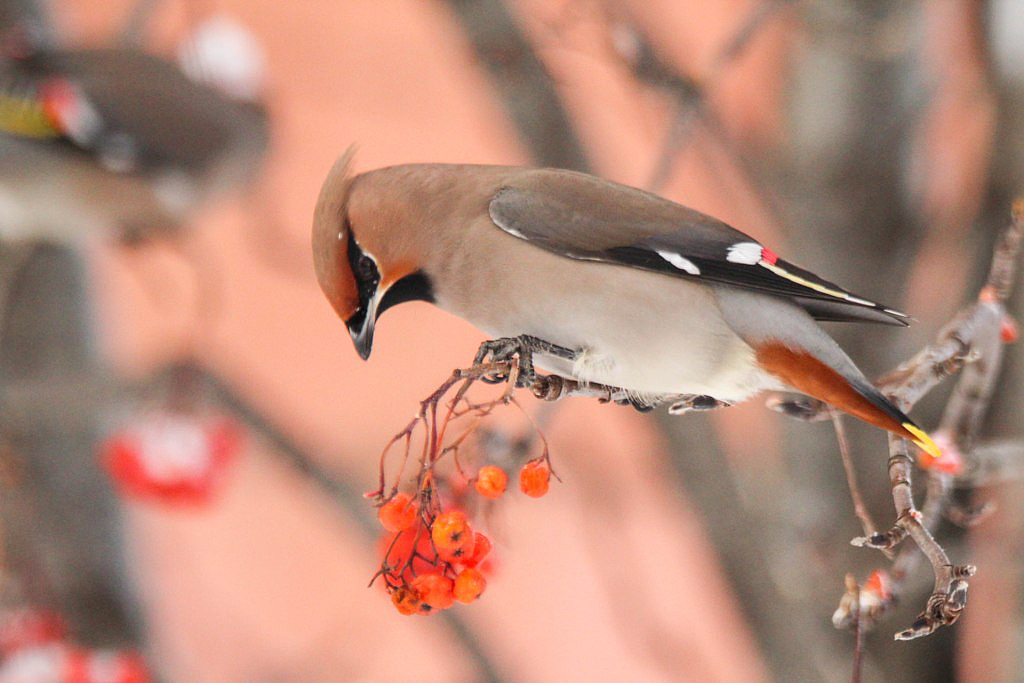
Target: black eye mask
[413,287]
[367,277]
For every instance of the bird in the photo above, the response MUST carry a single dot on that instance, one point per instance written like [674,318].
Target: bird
[113,139]
[593,281]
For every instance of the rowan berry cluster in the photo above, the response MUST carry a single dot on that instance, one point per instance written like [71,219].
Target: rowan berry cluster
[428,566]
[434,557]
[432,554]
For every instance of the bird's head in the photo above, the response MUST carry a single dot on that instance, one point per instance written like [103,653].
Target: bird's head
[365,261]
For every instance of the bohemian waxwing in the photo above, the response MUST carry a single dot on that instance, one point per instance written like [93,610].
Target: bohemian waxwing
[601,282]
[115,139]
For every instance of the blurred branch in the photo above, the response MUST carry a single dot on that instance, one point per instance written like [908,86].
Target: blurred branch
[134,27]
[690,94]
[744,550]
[61,520]
[351,502]
[523,83]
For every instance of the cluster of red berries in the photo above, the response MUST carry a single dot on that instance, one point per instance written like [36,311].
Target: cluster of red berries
[436,558]
[534,478]
[172,458]
[35,646]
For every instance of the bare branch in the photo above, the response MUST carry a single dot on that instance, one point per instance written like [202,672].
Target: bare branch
[859,507]
[523,83]
[973,335]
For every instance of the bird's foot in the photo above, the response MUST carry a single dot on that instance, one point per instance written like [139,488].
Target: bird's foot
[798,407]
[522,347]
[638,403]
[696,402]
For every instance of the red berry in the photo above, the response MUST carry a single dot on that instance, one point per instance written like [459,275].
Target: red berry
[481,546]
[1008,330]
[398,514]
[173,458]
[435,592]
[399,549]
[469,584]
[406,600]
[880,584]
[461,552]
[25,628]
[534,478]
[491,481]
[451,531]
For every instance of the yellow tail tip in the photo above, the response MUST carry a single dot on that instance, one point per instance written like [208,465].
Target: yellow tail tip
[923,441]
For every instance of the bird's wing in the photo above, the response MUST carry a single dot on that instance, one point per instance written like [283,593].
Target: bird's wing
[590,219]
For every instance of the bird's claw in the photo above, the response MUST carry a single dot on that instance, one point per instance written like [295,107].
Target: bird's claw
[504,350]
[696,402]
[522,348]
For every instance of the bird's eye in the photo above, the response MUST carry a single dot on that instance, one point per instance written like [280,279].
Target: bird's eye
[366,269]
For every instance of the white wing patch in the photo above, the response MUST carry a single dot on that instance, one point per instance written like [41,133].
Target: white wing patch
[748,253]
[681,263]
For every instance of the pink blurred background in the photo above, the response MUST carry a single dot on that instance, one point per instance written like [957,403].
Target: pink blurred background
[610,576]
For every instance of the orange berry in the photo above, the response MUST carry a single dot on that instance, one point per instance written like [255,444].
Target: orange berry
[461,552]
[880,584]
[481,546]
[398,514]
[435,592]
[534,478]
[1008,330]
[406,600]
[451,531]
[469,584]
[491,481]
[397,549]
[401,549]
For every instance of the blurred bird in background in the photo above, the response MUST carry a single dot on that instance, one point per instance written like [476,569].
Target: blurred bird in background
[119,140]
[105,142]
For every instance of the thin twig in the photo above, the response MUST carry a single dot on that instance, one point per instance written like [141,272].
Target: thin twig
[859,508]
[691,95]
[858,630]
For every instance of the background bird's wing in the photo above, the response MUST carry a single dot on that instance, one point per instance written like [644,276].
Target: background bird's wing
[587,218]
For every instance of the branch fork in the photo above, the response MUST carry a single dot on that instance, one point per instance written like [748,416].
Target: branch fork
[974,335]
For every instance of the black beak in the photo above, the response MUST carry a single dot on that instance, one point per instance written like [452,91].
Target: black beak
[413,287]
[360,326]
